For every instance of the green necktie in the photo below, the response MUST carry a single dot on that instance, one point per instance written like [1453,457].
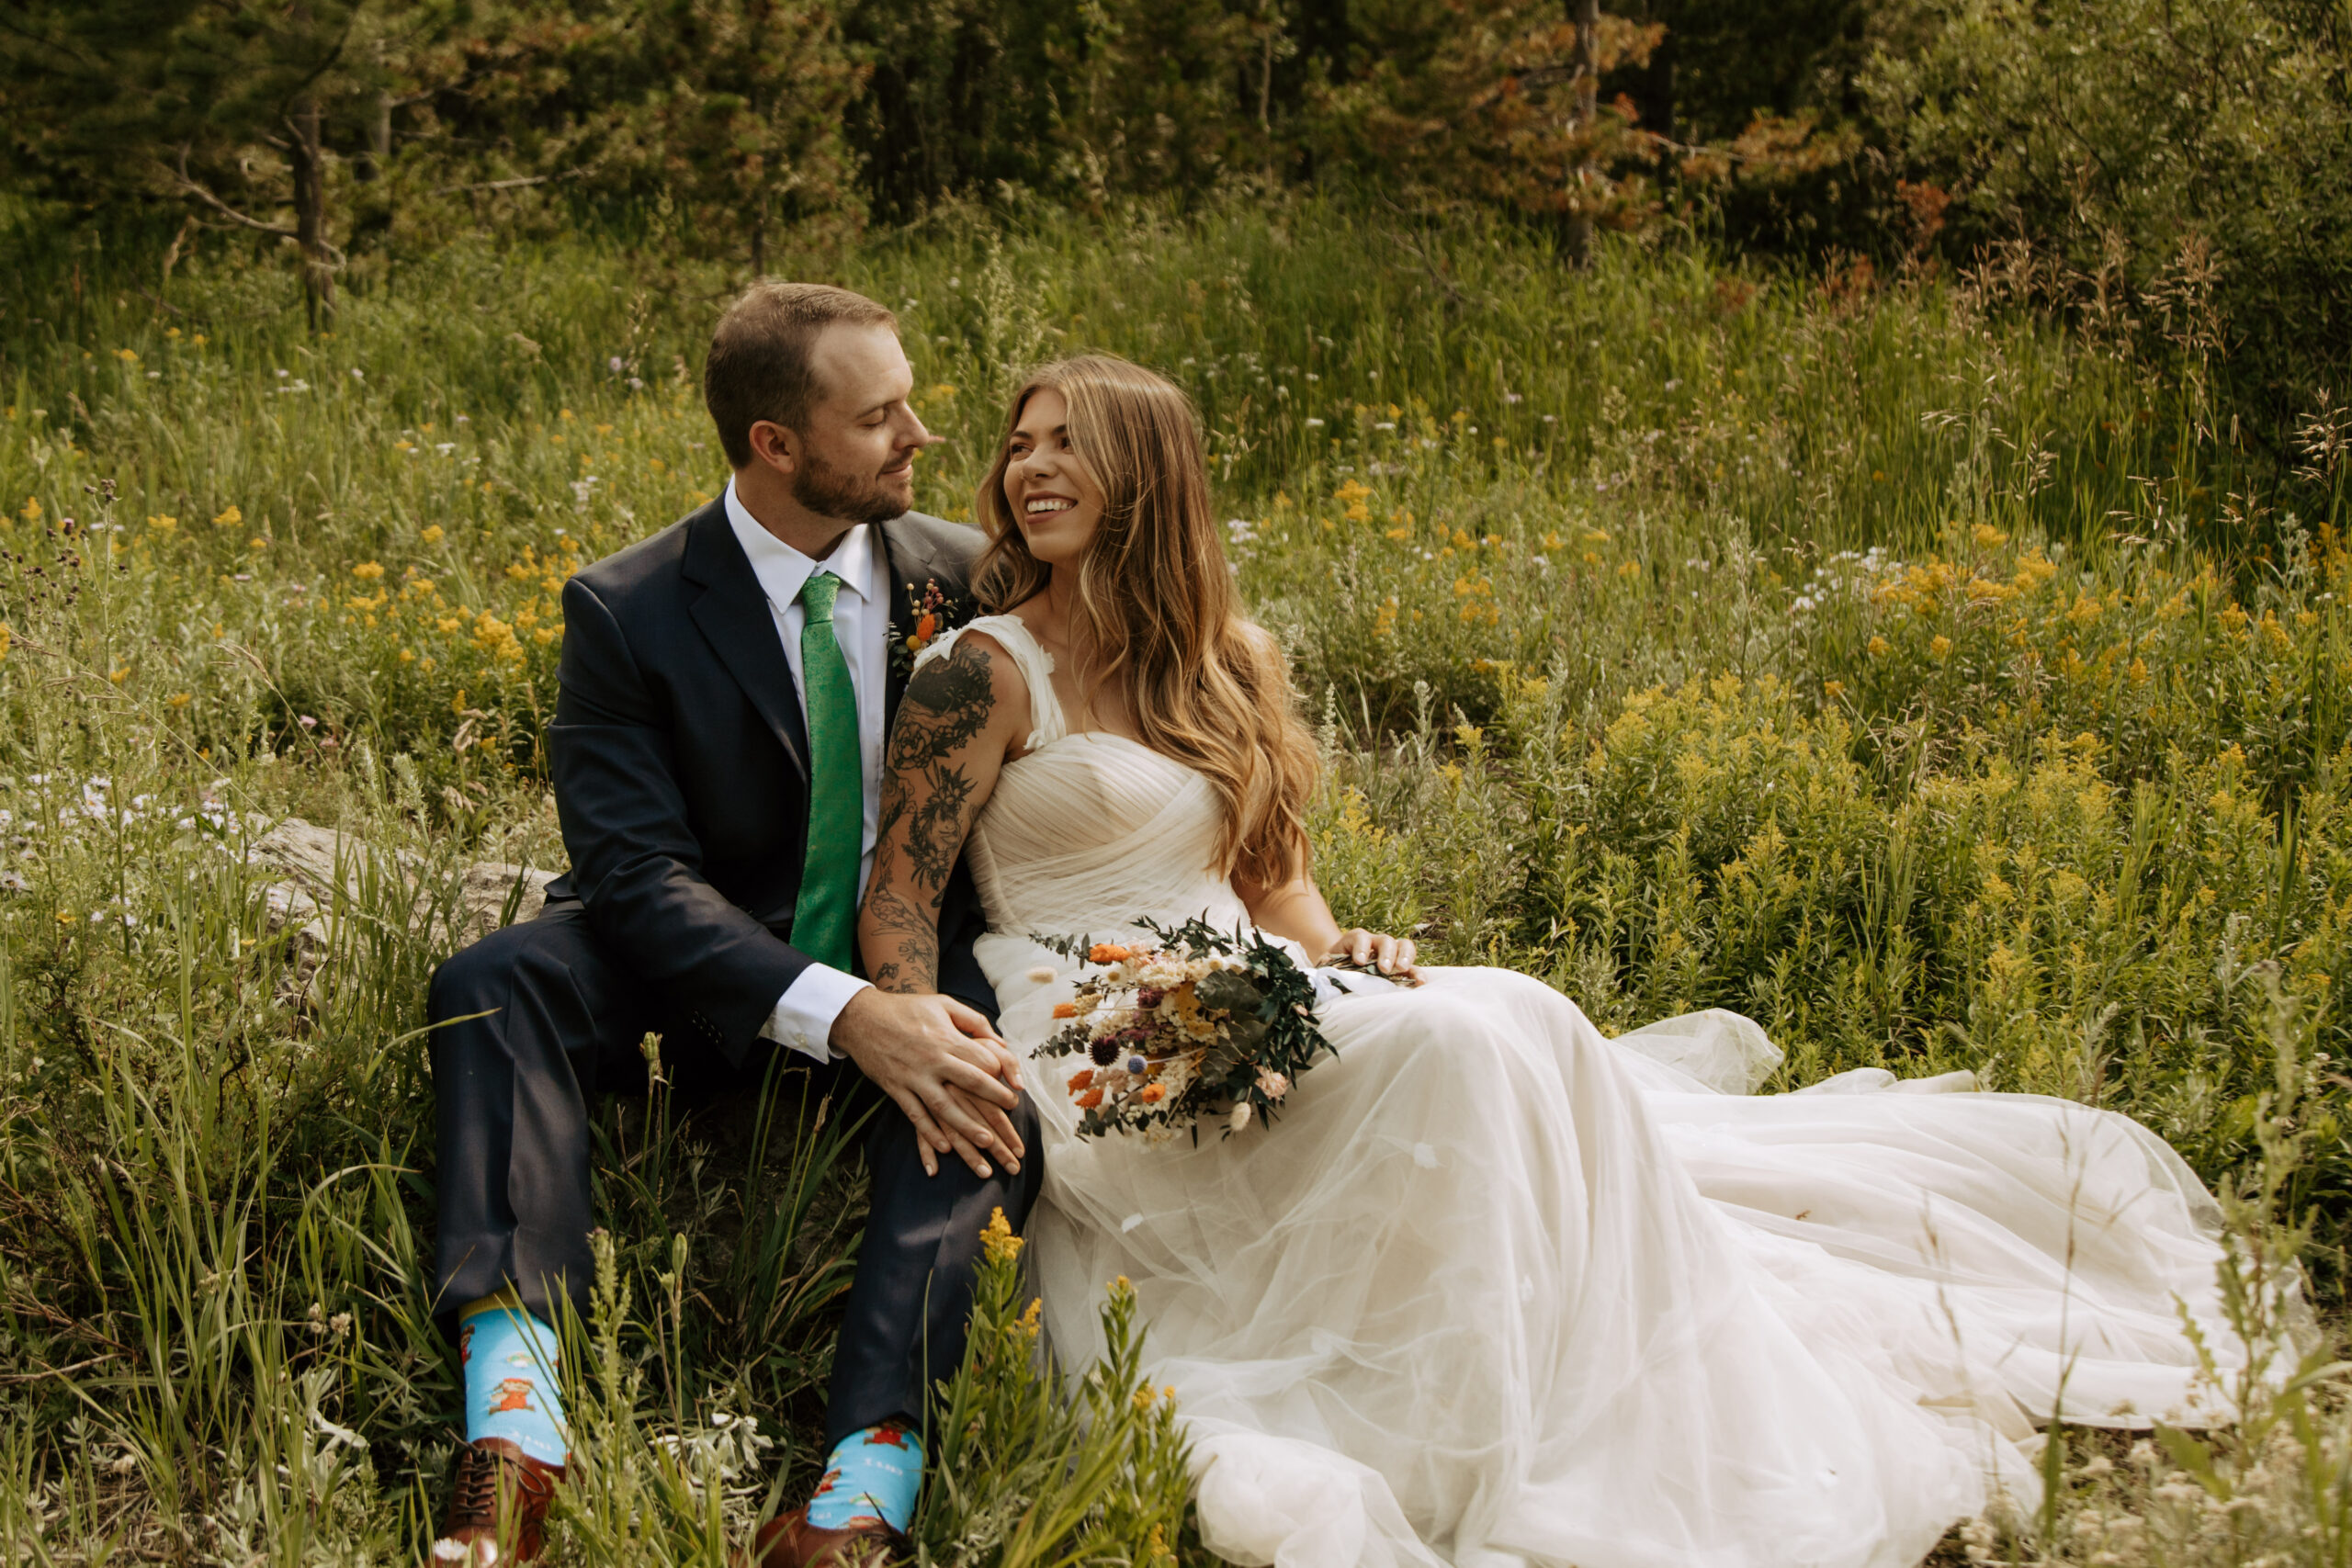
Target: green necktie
[826,916]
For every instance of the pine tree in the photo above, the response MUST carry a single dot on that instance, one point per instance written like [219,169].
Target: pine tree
[229,106]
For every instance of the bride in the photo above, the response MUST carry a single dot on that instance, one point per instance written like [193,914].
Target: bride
[1496,1289]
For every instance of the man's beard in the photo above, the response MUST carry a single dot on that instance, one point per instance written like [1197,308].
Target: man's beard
[831,492]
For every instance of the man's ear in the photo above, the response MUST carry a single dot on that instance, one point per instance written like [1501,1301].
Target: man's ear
[775,445]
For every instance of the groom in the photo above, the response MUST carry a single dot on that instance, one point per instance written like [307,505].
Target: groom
[727,687]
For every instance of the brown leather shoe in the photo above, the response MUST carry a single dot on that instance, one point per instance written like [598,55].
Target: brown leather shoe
[793,1542]
[498,1506]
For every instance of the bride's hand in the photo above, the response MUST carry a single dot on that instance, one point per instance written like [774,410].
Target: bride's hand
[1389,955]
[946,1069]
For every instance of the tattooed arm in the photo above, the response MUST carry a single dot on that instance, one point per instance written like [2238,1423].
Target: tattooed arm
[933,1056]
[956,723]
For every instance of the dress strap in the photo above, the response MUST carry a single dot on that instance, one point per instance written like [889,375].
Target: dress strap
[1036,667]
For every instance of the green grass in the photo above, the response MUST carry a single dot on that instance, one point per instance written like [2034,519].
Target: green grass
[1938,690]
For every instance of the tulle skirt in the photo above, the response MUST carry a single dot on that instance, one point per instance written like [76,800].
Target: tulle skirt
[1496,1289]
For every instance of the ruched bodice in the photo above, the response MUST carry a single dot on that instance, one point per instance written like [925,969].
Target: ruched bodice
[1089,832]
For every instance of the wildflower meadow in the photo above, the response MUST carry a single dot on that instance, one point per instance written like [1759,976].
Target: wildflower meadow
[1941,688]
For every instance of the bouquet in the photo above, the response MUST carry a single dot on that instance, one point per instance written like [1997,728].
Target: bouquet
[1203,1024]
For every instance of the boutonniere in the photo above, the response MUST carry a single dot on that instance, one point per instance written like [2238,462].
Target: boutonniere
[936,613]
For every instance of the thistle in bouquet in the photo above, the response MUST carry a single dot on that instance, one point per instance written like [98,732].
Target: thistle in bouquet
[1196,1024]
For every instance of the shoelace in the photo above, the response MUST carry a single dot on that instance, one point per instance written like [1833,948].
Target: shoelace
[474,1498]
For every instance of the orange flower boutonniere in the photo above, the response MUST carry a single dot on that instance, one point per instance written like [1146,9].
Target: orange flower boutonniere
[936,610]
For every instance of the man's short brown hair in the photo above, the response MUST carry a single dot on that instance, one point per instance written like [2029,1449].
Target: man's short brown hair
[758,368]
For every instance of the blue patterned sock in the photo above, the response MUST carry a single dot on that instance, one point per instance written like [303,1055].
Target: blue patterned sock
[510,1360]
[872,1474]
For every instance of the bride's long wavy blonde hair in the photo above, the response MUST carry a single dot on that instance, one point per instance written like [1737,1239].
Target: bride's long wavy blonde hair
[1154,606]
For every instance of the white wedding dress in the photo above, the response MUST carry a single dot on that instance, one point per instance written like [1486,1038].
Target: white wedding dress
[1498,1290]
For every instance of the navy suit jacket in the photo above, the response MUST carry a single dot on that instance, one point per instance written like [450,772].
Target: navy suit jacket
[680,758]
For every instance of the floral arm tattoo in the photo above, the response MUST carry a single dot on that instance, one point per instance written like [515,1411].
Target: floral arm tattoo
[941,767]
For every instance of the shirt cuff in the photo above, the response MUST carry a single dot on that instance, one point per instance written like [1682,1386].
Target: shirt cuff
[803,1019]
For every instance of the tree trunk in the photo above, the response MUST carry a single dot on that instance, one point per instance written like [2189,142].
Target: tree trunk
[1586,14]
[310,210]
[379,138]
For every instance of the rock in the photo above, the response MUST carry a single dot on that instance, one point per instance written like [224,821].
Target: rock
[488,884]
[324,862]
[328,871]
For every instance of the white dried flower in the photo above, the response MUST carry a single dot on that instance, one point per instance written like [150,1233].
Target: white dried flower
[1043,975]
[1240,1117]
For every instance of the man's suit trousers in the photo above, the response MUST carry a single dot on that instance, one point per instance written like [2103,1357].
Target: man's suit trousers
[561,1018]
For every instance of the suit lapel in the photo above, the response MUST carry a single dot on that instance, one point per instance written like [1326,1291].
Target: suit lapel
[912,567]
[734,619]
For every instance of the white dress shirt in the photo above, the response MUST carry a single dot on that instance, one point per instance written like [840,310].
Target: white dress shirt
[804,1015]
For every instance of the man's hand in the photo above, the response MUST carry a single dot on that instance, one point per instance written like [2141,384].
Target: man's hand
[944,1067]
[1390,956]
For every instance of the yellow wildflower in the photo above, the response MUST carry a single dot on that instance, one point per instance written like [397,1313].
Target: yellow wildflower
[998,1240]
[1990,538]
[432,535]
[1940,649]
[229,518]
[30,512]
[5,636]
[1878,648]
[119,676]
[368,572]
[162,524]
[179,699]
